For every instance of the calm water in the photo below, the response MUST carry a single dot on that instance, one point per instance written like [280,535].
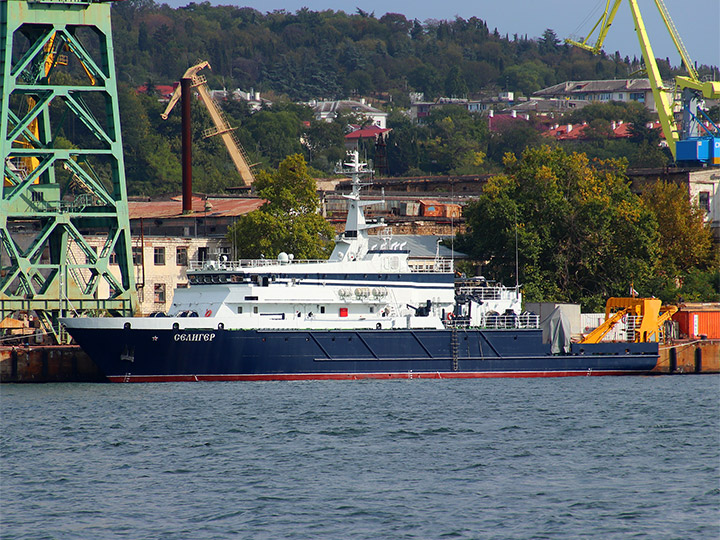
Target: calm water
[626,457]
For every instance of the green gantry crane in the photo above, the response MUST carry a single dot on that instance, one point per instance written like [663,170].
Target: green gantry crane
[64,227]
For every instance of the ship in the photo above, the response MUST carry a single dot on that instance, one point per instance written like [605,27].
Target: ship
[364,313]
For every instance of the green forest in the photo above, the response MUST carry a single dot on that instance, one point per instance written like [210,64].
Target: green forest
[295,57]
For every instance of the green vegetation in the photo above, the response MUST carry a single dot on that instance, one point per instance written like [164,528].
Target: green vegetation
[289,221]
[328,55]
[689,263]
[641,149]
[582,236]
[331,54]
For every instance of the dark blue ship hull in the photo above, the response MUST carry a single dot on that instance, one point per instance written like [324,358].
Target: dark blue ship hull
[132,355]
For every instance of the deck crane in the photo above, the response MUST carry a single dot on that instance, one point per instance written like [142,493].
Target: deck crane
[693,141]
[222,128]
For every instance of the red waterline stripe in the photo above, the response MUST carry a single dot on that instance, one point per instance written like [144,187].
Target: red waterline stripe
[361,376]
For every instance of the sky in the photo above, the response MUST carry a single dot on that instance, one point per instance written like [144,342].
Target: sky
[698,21]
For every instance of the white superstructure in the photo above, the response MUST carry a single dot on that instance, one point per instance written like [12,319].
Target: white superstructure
[365,284]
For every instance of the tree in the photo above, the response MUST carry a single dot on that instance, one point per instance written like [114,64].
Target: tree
[276,133]
[685,243]
[456,141]
[324,143]
[289,221]
[455,85]
[151,166]
[549,41]
[513,138]
[582,235]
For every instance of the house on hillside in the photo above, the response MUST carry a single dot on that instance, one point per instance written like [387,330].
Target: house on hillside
[163,91]
[579,132]
[420,109]
[253,99]
[328,111]
[372,133]
[624,90]
[501,121]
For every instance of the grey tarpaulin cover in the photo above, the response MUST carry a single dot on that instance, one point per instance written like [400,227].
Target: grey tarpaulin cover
[556,331]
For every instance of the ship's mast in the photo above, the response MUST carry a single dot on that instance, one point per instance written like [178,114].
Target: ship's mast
[352,244]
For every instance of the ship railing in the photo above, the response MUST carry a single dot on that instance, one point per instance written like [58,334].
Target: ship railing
[489,293]
[498,322]
[220,265]
[525,320]
[438,265]
[441,265]
[633,323]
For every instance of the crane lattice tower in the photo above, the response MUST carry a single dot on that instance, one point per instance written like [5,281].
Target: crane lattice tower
[64,225]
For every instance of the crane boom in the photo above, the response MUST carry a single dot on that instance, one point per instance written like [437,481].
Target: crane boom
[660,94]
[687,144]
[649,318]
[675,35]
[222,128]
[604,22]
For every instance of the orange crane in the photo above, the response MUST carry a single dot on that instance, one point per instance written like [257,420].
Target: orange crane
[222,128]
[648,316]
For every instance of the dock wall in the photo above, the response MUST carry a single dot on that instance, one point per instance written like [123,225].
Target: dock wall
[692,356]
[50,363]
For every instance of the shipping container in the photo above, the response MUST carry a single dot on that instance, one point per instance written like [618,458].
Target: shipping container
[431,209]
[452,210]
[695,323]
[410,209]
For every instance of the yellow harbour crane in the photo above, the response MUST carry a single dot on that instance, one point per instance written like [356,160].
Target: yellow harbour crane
[222,128]
[693,141]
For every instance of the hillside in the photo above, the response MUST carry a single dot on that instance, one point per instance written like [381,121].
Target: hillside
[292,57]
